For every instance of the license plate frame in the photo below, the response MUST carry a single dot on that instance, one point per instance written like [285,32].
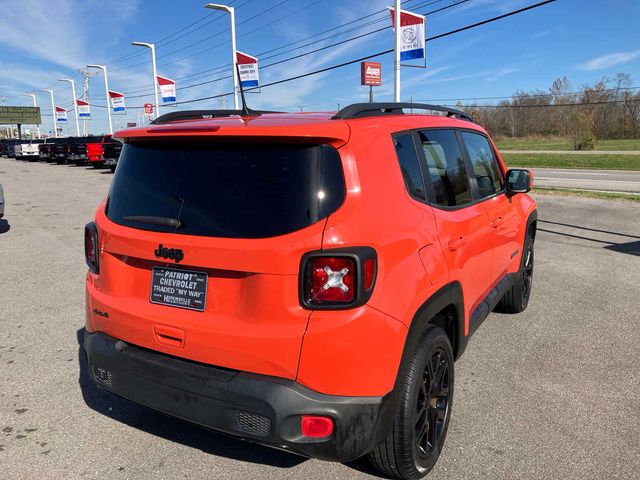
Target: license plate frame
[177,286]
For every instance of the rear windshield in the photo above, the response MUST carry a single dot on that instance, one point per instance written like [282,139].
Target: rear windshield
[225,190]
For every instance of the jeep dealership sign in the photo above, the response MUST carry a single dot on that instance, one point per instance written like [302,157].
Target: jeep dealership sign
[371,74]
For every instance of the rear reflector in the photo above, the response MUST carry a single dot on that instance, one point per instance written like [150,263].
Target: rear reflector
[316,427]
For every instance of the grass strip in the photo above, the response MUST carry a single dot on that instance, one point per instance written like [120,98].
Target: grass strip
[570,192]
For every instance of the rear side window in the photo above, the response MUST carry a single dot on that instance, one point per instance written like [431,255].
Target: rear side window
[408,159]
[225,190]
[447,174]
[484,164]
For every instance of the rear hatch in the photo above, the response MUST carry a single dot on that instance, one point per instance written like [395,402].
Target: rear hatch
[201,243]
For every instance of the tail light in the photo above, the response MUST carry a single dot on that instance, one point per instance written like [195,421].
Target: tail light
[338,278]
[91,247]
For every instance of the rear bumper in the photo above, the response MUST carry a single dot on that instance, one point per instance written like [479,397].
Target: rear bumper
[254,407]
[110,161]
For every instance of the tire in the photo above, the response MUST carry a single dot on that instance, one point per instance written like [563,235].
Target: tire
[112,168]
[517,297]
[419,429]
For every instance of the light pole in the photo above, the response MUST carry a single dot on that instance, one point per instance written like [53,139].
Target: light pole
[53,111]
[75,107]
[155,72]
[106,88]
[231,11]
[33,97]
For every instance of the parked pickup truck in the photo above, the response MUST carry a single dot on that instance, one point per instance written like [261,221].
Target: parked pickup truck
[44,149]
[28,150]
[111,149]
[61,150]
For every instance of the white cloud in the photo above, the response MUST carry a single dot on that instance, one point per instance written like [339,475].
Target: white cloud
[610,60]
[540,35]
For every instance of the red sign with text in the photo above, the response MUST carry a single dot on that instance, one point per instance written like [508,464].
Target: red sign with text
[371,73]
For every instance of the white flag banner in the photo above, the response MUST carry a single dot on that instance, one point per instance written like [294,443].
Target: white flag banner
[117,101]
[248,67]
[84,111]
[412,34]
[167,89]
[61,114]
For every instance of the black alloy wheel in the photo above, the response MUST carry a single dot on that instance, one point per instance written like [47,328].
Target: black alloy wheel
[432,406]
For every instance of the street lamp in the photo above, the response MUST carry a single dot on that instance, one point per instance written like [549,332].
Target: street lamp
[75,106]
[53,110]
[155,72]
[33,97]
[231,11]
[106,88]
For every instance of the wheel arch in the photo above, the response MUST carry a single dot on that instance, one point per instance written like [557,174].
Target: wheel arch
[444,309]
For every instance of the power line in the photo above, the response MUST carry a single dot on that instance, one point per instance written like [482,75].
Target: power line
[303,54]
[374,55]
[553,105]
[161,40]
[260,54]
[525,95]
[220,32]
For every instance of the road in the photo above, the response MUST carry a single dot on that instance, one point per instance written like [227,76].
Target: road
[606,180]
[551,393]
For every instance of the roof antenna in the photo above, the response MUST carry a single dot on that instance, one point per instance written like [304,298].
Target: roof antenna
[246,111]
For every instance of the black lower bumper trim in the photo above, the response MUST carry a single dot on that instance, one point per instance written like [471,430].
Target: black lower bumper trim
[254,407]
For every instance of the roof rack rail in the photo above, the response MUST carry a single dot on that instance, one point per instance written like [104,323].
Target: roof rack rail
[201,114]
[359,110]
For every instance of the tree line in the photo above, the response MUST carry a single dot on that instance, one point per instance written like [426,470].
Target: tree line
[609,109]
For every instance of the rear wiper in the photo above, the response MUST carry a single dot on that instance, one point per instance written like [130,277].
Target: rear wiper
[164,221]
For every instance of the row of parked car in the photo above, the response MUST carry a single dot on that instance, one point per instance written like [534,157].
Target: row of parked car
[99,151]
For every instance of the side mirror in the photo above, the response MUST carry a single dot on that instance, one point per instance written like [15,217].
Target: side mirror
[519,180]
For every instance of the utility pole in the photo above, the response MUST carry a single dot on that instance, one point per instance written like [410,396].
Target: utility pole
[86,73]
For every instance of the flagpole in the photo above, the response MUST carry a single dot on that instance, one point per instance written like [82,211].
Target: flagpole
[396,63]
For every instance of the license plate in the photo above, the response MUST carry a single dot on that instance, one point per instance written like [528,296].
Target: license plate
[179,288]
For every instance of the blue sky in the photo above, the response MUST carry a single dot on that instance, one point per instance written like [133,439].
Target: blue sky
[42,41]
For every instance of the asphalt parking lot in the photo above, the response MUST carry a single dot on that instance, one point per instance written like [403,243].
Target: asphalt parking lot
[551,393]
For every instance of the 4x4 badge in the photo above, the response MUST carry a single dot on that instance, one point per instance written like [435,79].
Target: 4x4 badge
[173,253]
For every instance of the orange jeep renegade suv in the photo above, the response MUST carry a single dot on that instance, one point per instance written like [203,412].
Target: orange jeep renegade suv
[306,280]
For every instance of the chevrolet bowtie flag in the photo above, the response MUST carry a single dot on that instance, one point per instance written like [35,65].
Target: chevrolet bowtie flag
[117,101]
[412,34]
[84,110]
[248,67]
[167,89]
[61,114]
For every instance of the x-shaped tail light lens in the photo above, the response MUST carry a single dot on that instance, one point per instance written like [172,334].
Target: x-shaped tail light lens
[331,280]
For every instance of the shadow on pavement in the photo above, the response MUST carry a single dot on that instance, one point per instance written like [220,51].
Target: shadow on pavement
[173,429]
[4,226]
[630,248]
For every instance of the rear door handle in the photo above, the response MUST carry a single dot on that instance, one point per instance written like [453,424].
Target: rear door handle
[457,243]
